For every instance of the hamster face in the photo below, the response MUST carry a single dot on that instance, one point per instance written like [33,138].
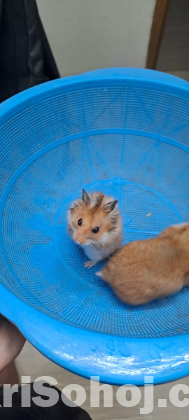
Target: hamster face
[92,219]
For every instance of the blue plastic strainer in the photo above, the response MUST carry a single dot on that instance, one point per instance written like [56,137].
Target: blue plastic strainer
[124,132]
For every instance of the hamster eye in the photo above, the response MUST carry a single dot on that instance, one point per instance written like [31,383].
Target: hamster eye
[80,222]
[95,230]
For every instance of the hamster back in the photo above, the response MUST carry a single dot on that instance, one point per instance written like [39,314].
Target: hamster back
[148,269]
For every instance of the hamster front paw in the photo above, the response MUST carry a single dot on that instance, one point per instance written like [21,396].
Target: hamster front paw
[89,264]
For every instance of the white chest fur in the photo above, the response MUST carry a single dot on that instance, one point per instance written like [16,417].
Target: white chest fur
[97,254]
[93,253]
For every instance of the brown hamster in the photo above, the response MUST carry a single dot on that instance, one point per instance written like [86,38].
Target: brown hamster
[145,270]
[94,222]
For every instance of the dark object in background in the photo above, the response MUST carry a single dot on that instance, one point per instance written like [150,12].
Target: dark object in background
[26,59]
[59,411]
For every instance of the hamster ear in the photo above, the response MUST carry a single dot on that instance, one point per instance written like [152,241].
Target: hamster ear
[85,196]
[110,206]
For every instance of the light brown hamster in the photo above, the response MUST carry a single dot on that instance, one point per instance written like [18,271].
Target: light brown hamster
[94,222]
[148,269]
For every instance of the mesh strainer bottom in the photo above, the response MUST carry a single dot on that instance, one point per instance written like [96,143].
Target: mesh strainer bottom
[49,266]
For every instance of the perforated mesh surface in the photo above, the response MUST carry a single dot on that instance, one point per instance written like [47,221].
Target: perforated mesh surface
[123,140]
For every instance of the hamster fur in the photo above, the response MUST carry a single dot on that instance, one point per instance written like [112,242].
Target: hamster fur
[94,222]
[148,269]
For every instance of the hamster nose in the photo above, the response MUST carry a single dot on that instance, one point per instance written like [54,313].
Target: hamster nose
[79,239]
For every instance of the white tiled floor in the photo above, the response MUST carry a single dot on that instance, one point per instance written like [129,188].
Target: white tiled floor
[32,363]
